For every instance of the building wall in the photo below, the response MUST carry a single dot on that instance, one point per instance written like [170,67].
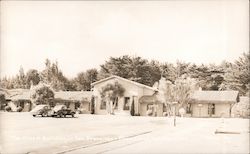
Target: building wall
[143,109]
[85,107]
[25,104]
[130,91]
[200,111]
[220,108]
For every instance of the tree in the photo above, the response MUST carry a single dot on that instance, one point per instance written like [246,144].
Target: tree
[80,81]
[42,94]
[111,94]
[132,109]
[237,76]
[21,78]
[53,76]
[84,79]
[92,105]
[132,68]
[168,71]
[2,100]
[179,91]
[32,77]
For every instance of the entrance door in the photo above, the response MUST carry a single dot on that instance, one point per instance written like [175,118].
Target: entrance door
[153,109]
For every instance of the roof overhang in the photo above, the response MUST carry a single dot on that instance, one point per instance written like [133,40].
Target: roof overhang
[126,80]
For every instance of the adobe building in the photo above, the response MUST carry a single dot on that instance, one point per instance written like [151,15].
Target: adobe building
[74,100]
[135,92]
[213,103]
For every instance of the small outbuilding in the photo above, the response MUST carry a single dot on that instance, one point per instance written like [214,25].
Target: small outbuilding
[213,103]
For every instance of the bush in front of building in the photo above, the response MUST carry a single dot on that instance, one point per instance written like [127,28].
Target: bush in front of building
[165,114]
[137,114]
[7,108]
[149,112]
[182,112]
[92,105]
[241,109]
[2,101]
[132,109]
[19,109]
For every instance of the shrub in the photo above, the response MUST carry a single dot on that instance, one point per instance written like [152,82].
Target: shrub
[7,108]
[149,112]
[2,101]
[19,109]
[132,109]
[92,105]
[182,111]
[137,114]
[241,109]
[165,114]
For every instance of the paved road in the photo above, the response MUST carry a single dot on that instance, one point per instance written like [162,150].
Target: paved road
[21,133]
[200,138]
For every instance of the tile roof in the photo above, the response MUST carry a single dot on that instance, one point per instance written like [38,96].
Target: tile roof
[21,96]
[73,95]
[118,77]
[148,99]
[219,96]
[65,95]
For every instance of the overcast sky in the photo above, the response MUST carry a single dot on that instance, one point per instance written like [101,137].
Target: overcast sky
[82,34]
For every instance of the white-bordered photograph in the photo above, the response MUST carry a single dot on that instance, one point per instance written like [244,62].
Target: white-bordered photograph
[122,77]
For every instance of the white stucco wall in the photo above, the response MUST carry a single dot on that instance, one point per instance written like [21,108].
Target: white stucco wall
[220,108]
[200,111]
[130,91]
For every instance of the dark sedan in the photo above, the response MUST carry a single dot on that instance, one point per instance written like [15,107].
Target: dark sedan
[62,111]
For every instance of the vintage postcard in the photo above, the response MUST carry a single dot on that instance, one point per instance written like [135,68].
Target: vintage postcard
[111,77]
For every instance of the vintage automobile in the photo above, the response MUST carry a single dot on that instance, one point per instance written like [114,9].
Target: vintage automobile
[43,110]
[62,111]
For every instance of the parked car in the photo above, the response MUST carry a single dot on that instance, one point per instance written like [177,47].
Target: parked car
[62,111]
[42,110]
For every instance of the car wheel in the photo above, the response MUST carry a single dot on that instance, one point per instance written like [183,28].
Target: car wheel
[61,115]
[73,115]
[34,115]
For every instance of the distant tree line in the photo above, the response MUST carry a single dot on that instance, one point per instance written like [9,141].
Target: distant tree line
[225,76]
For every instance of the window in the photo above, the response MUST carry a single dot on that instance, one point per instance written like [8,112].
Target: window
[103,105]
[126,103]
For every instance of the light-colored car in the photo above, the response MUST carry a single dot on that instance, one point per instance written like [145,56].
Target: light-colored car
[43,110]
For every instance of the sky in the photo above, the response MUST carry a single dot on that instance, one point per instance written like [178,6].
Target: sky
[83,34]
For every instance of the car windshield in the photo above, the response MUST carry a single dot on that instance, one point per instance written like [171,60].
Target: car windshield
[38,107]
[58,107]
